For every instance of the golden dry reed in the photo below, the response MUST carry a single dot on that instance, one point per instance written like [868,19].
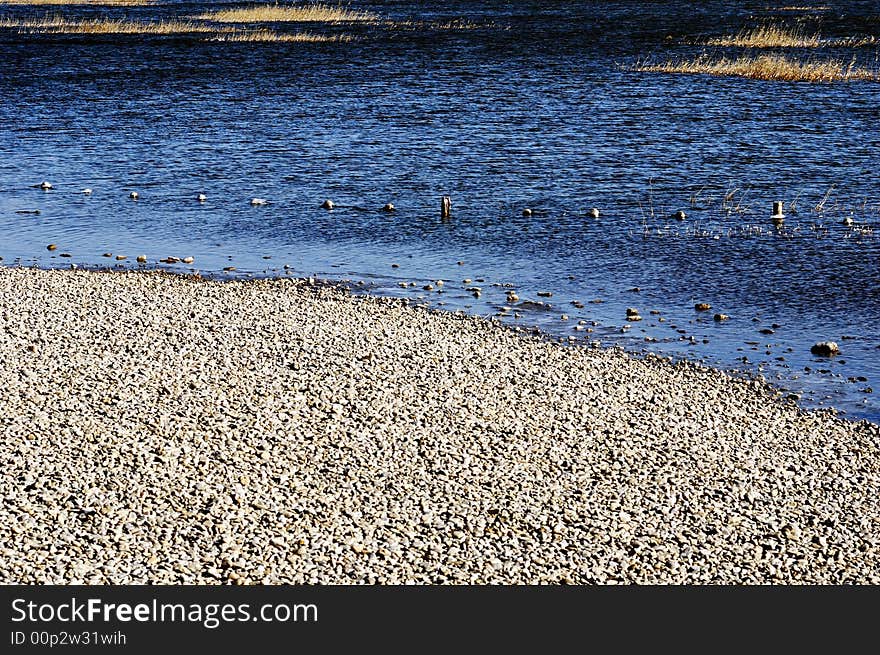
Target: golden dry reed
[61,25]
[316,13]
[799,8]
[769,36]
[767,67]
[254,36]
[95,3]
[780,36]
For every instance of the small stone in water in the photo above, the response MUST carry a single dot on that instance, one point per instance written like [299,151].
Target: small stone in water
[51,246]
[142,259]
[119,258]
[327,204]
[702,306]
[825,348]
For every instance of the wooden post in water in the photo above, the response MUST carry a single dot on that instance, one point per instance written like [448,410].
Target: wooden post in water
[445,207]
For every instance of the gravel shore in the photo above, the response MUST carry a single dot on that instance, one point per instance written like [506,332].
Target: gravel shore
[166,429]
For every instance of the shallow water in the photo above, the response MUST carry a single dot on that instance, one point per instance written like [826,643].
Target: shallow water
[535,106]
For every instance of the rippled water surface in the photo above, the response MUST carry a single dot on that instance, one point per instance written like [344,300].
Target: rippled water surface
[535,105]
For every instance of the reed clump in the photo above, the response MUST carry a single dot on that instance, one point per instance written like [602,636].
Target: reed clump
[316,13]
[800,8]
[781,36]
[95,3]
[769,36]
[61,25]
[269,36]
[767,67]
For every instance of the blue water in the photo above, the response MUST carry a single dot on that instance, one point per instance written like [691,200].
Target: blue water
[536,106]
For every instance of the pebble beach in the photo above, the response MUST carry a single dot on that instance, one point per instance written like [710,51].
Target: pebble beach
[169,429]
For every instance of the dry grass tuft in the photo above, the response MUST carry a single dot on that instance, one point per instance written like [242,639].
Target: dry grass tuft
[779,36]
[454,25]
[316,13]
[254,36]
[799,8]
[767,67]
[96,3]
[61,25]
[769,36]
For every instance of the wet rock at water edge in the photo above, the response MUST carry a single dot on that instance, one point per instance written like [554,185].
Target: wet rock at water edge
[825,348]
[702,306]
[120,258]
[188,260]
[141,259]
[721,317]
[51,246]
